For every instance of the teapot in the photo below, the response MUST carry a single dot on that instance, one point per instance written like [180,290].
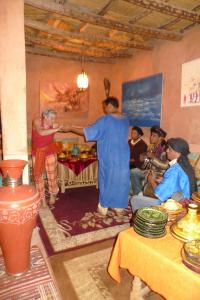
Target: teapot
[75,150]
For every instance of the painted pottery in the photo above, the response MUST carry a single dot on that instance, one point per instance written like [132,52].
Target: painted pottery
[188,228]
[19,206]
[75,150]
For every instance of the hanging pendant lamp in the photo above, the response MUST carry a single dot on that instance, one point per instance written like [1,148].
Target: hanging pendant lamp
[82,78]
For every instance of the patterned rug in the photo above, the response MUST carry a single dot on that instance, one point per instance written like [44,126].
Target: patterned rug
[82,274]
[74,221]
[36,284]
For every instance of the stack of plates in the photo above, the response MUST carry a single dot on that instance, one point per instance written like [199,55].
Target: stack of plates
[150,222]
[191,255]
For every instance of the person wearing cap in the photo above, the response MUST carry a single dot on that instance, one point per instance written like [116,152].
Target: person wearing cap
[44,154]
[137,147]
[157,143]
[178,181]
[156,149]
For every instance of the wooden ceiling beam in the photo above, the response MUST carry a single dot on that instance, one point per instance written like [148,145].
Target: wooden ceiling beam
[175,21]
[81,50]
[53,53]
[140,16]
[171,10]
[88,17]
[83,36]
[102,12]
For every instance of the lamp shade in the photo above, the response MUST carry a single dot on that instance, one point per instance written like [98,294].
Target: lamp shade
[82,81]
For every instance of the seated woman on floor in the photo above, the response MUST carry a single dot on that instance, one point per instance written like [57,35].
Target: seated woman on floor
[178,181]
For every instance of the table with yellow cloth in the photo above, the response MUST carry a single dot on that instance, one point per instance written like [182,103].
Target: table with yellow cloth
[69,178]
[157,262]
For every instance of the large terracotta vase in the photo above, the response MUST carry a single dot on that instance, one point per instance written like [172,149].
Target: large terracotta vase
[19,206]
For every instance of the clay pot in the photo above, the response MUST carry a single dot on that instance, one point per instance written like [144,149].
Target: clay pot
[19,206]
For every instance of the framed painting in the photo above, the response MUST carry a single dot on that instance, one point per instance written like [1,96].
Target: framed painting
[141,101]
[190,83]
[68,101]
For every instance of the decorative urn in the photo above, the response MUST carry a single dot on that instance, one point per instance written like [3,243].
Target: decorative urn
[19,206]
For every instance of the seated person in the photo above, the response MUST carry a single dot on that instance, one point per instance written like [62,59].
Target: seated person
[178,181]
[157,150]
[137,147]
[157,147]
[157,129]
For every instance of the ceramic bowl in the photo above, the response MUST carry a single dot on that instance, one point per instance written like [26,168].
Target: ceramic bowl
[172,205]
[192,250]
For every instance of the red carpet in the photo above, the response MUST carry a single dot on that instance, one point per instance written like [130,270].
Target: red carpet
[74,221]
[35,284]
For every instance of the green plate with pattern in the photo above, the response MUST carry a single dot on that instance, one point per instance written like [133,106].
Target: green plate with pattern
[149,231]
[149,224]
[152,215]
[147,228]
[150,236]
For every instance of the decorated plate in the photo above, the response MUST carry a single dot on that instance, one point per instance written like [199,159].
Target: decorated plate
[150,224]
[151,236]
[149,231]
[152,215]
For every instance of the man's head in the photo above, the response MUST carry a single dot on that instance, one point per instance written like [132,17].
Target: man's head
[157,135]
[136,133]
[110,105]
[176,148]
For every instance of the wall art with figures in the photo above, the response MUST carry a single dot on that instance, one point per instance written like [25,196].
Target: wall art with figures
[190,84]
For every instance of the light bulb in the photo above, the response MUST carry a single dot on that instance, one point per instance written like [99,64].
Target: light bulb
[82,81]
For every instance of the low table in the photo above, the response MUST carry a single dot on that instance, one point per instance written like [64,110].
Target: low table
[157,262]
[77,173]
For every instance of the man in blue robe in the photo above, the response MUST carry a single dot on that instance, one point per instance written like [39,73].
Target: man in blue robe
[178,181]
[111,134]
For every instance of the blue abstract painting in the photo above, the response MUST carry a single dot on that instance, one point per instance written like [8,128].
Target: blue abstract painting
[141,101]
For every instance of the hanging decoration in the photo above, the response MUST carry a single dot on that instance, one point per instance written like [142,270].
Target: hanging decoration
[82,81]
[107,86]
[82,78]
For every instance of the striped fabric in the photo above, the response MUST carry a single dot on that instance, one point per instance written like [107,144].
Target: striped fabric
[37,284]
[52,178]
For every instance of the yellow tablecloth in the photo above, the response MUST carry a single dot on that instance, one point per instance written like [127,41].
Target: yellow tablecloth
[157,262]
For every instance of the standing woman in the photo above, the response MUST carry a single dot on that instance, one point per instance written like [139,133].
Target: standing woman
[44,152]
